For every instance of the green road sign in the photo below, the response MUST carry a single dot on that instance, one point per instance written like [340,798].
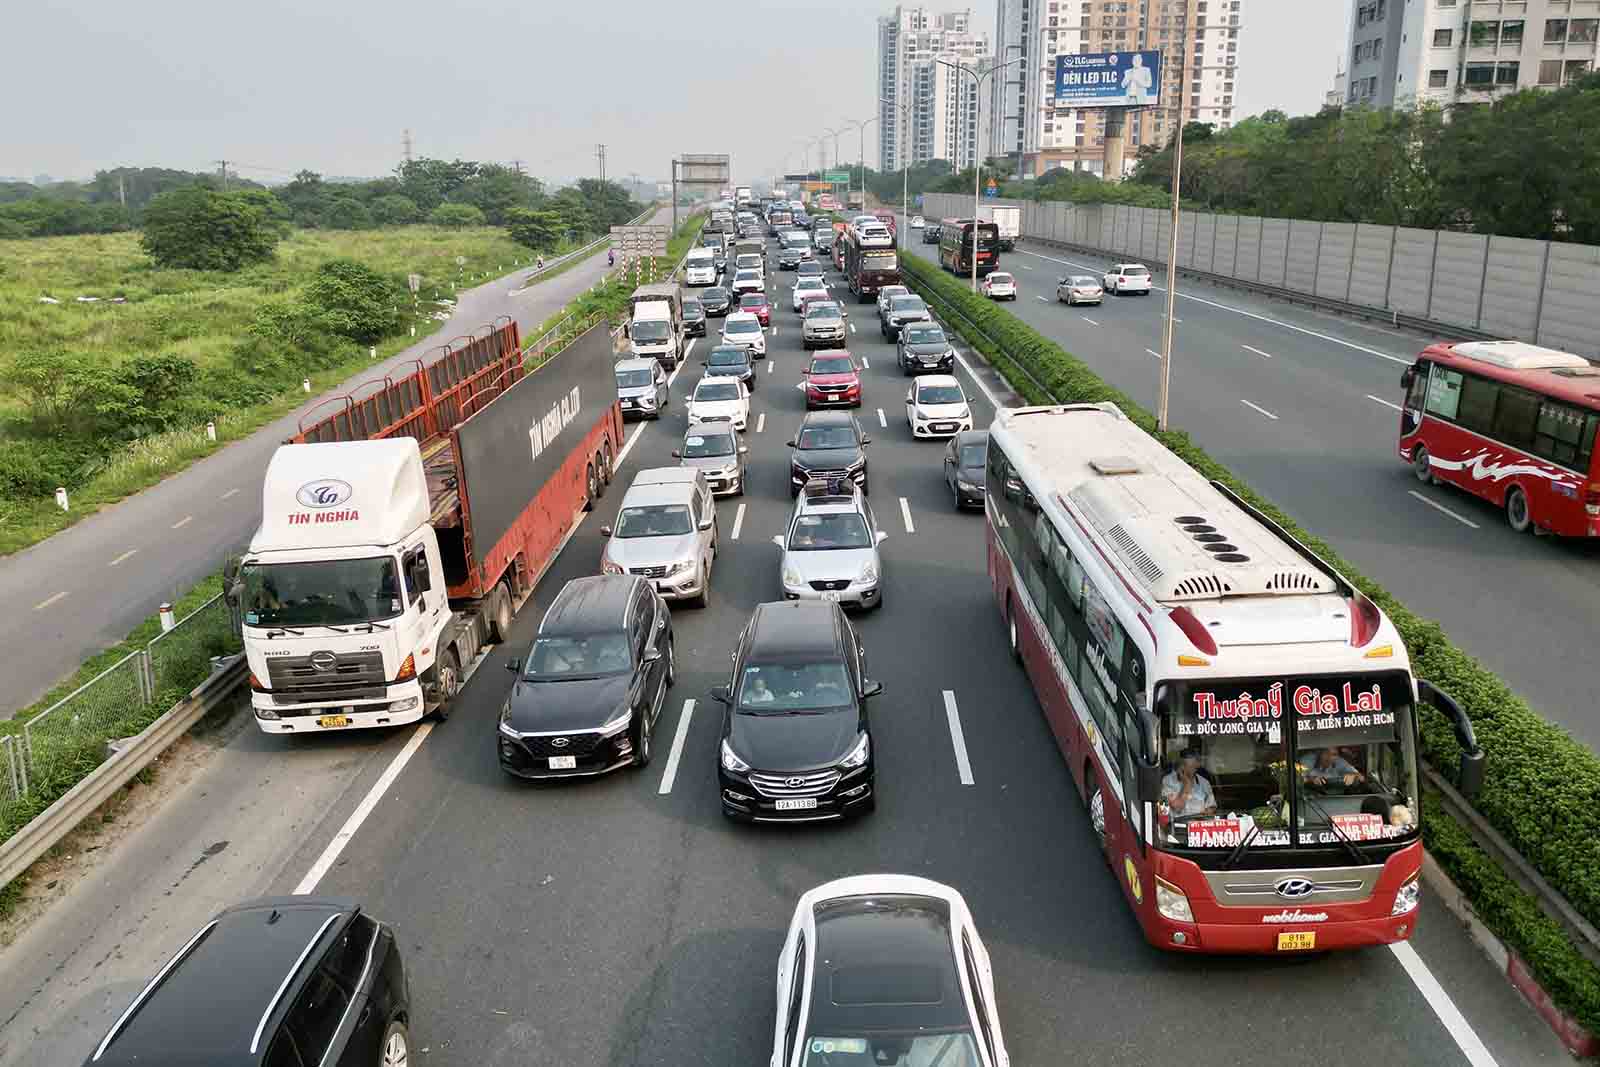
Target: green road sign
[838,177]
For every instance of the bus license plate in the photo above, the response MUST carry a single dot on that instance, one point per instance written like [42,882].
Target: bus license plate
[569,763]
[801,804]
[1297,941]
[333,721]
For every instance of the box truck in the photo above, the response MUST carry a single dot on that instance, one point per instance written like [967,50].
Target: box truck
[655,326]
[1008,220]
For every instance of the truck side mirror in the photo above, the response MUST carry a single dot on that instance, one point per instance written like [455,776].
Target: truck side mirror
[1408,376]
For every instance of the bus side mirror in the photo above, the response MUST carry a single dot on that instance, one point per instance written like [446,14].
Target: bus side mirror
[1149,782]
[1408,376]
[1469,779]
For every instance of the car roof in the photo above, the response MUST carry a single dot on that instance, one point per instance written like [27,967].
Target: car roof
[834,353]
[718,380]
[741,316]
[828,418]
[923,380]
[711,429]
[786,628]
[884,961]
[592,604]
[205,1005]
[634,364]
[972,437]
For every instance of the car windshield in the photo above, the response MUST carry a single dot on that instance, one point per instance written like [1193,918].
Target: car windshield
[717,391]
[924,335]
[832,365]
[1228,770]
[823,311]
[741,326]
[748,261]
[335,592]
[654,520]
[650,330]
[973,457]
[629,379]
[701,446]
[774,688]
[814,437]
[753,300]
[940,394]
[560,659]
[906,303]
[816,533]
[948,1049]
[714,295]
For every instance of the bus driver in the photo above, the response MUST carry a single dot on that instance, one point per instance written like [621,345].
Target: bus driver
[1186,791]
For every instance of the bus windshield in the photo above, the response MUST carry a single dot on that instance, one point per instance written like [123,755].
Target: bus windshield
[1305,761]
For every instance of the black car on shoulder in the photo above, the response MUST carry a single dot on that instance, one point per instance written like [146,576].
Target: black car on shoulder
[272,982]
[830,444]
[796,744]
[694,317]
[732,361]
[587,697]
[923,346]
[716,300]
[965,459]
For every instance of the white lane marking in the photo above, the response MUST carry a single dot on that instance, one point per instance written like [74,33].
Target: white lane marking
[1257,351]
[905,513]
[122,557]
[774,331]
[1462,519]
[1259,318]
[1450,1016]
[866,363]
[1262,410]
[771,366]
[761,422]
[229,493]
[686,353]
[852,327]
[181,523]
[330,855]
[953,717]
[1087,319]
[881,420]
[994,401]
[738,522]
[1385,403]
[41,605]
[671,773]
[1041,299]
[1024,266]
[1153,352]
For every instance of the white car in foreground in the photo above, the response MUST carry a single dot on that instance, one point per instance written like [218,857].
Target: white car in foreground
[936,406]
[720,399]
[1127,278]
[1000,286]
[885,968]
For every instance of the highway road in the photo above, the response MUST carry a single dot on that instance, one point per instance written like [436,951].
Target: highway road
[85,588]
[623,921]
[1304,407]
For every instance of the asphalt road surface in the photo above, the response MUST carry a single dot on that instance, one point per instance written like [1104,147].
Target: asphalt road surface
[1304,407]
[623,921]
[85,588]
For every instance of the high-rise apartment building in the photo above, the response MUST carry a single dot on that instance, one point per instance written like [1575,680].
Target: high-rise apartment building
[945,119]
[1452,52]
[1199,42]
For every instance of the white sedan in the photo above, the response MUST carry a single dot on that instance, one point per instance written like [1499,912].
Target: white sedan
[885,968]
[936,406]
[918,222]
[808,287]
[720,400]
[1000,286]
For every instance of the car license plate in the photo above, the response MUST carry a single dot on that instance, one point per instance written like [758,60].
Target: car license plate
[830,595]
[943,427]
[568,763]
[1297,940]
[334,721]
[799,804]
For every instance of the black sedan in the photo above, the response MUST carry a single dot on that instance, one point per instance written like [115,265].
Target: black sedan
[732,361]
[789,257]
[922,346]
[694,318]
[587,698]
[796,745]
[715,300]
[964,461]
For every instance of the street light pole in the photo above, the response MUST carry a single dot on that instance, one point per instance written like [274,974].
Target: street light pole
[861,153]
[905,171]
[977,157]
[1172,250]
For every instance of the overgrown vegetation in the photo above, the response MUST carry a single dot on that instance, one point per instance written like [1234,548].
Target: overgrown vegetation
[1539,784]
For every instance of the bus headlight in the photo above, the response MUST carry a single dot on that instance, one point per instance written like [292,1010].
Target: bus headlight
[1171,902]
[1407,898]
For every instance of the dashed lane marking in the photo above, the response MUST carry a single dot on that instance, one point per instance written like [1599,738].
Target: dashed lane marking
[41,605]
[957,740]
[670,775]
[1435,505]
[1258,408]
[905,513]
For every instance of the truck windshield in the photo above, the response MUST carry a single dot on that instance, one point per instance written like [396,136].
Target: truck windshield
[335,592]
[650,330]
[1303,760]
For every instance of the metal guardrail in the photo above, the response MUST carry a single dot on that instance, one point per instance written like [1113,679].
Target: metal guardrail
[47,829]
[579,253]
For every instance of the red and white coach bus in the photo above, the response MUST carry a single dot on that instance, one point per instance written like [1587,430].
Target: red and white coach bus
[1238,718]
[1511,422]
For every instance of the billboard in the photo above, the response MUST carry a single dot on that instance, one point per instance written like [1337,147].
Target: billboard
[704,169]
[634,241]
[1108,79]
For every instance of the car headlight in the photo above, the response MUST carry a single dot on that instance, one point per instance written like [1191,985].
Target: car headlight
[1407,898]
[791,576]
[679,567]
[966,413]
[618,723]
[610,567]
[647,401]
[731,760]
[1171,902]
[950,354]
[858,755]
[505,721]
[971,487]
[869,573]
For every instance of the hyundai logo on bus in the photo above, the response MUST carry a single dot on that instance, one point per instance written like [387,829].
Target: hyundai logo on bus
[548,428]
[1294,888]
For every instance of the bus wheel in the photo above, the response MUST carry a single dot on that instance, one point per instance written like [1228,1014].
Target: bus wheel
[1011,632]
[1422,465]
[1518,514]
[1097,811]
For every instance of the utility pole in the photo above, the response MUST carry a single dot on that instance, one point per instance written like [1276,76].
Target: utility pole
[600,155]
[516,165]
[223,163]
[405,144]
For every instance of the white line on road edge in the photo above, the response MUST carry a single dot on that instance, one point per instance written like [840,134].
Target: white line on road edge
[1153,352]
[181,523]
[41,605]
[1462,519]
[1041,299]
[905,513]
[229,493]
[627,446]
[866,363]
[122,557]
[963,765]
[1450,1016]
[881,420]
[1262,410]
[1087,319]
[671,772]
[1385,403]
[761,422]
[738,522]
[686,353]
[330,855]
[1257,351]
[994,401]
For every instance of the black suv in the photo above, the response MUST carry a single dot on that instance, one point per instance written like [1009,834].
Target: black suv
[587,698]
[694,318]
[901,311]
[796,745]
[923,346]
[273,982]
[830,444]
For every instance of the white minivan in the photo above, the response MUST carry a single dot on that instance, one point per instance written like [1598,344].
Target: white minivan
[701,267]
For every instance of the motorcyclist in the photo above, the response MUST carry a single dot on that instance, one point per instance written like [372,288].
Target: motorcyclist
[541,263]
[611,257]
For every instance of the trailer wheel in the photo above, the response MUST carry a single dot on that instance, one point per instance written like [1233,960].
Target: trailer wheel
[599,476]
[591,494]
[609,466]
[500,615]
[447,675]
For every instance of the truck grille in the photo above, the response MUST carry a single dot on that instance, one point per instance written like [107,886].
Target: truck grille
[815,784]
[323,676]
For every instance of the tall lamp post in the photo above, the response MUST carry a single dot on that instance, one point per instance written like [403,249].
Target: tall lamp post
[861,152]
[977,157]
[835,135]
[905,171]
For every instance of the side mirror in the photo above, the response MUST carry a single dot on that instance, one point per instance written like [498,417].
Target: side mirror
[706,524]
[777,539]
[870,688]
[1408,376]
[652,655]
[721,694]
[744,450]
[790,444]
[677,453]
[513,665]
[882,537]
[1149,780]
[605,531]
[1470,772]
[865,441]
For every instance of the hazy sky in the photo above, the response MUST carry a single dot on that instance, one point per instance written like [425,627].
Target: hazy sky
[329,85]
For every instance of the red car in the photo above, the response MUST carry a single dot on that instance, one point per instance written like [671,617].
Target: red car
[832,381]
[756,304]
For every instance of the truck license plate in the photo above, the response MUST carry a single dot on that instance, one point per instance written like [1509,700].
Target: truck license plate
[333,721]
[1297,941]
[801,804]
[568,763]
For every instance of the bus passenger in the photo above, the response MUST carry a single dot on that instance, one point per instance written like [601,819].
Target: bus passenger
[1185,790]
